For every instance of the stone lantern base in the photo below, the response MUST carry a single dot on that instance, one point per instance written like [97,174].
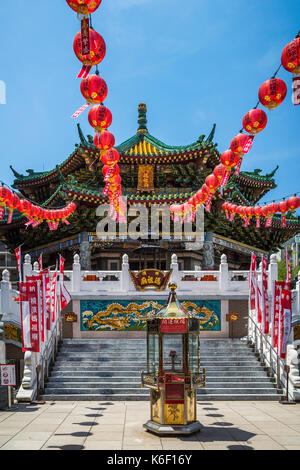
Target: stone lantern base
[167,429]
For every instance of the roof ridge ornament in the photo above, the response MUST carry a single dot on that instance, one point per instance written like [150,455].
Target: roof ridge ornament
[142,119]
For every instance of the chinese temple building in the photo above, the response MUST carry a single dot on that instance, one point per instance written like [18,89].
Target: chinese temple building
[152,172]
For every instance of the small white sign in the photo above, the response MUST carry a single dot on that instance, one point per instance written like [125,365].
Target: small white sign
[8,375]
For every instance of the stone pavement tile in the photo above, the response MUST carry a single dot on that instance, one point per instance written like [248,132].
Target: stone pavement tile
[61,441]
[43,427]
[287,440]
[146,447]
[4,439]
[181,445]
[32,436]
[225,445]
[104,427]
[295,426]
[277,429]
[15,444]
[292,447]
[105,436]
[263,443]
[102,445]
[10,430]
[113,419]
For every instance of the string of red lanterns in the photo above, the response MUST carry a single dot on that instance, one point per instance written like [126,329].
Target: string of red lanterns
[271,94]
[35,214]
[268,211]
[90,49]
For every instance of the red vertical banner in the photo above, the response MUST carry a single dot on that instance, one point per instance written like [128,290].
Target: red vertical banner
[265,297]
[296,91]
[41,262]
[53,296]
[285,317]
[46,275]
[276,313]
[252,283]
[18,256]
[85,36]
[25,317]
[288,267]
[65,296]
[33,300]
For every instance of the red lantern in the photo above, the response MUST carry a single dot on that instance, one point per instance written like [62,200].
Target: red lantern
[96,54]
[290,57]
[25,207]
[104,140]
[293,203]
[272,93]
[5,195]
[200,196]
[111,157]
[100,117]
[255,121]
[229,159]
[212,183]
[241,144]
[94,89]
[283,208]
[84,7]
[219,171]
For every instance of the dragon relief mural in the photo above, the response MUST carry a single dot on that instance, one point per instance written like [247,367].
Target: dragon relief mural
[108,315]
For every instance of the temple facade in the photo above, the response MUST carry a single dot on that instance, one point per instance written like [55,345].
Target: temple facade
[153,173]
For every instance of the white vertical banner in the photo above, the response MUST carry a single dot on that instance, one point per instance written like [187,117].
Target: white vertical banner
[296,91]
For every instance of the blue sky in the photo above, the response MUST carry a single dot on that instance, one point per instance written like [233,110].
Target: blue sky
[194,63]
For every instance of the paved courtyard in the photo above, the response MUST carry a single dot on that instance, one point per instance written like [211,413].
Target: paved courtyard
[260,425]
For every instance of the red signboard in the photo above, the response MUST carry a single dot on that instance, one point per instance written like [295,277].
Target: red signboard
[173,325]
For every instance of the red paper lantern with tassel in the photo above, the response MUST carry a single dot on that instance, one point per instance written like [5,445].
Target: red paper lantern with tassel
[241,144]
[272,93]
[283,208]
[111,157]
[84,7]
[104,140]
[293,203]
[93,89]
[100,117]
[290,57]
[96,53]
[255,121]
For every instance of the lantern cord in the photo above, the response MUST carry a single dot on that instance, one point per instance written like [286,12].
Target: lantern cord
[277,71]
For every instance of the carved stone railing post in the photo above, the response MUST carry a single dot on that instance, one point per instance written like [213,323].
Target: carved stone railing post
[273,272]
[36,268]
[125,276]
[76,278]
[27,390]
[224,276]
[27,267]
[5,293]
[175,269]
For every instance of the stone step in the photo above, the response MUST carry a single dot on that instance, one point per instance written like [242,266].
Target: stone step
[110,369]
[132,397]
[137,379]
[137,384]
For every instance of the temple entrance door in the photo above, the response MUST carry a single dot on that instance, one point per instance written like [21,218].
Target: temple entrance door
[148,259]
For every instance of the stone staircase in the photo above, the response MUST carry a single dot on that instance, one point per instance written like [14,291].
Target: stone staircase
[110,369]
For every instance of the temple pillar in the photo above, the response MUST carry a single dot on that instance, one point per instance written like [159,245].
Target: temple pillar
[208,262]
[85,255]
